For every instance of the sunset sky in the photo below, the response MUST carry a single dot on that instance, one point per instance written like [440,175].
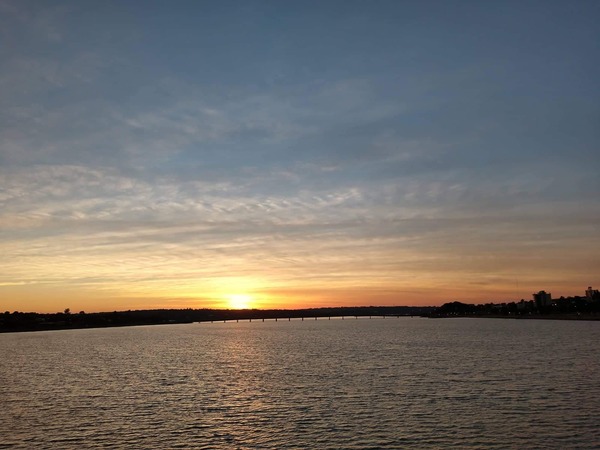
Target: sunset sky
[167,154]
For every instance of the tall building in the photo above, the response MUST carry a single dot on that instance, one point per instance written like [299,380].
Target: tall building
[542,298]
[592,294]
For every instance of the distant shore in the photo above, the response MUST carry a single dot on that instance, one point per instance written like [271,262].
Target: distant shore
[27,322]
[541,307]
[22,322]
[588,317]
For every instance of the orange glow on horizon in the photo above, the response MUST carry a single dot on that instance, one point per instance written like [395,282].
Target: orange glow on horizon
[247,292]
[240,301]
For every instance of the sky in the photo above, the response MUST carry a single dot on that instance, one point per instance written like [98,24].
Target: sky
[272,154]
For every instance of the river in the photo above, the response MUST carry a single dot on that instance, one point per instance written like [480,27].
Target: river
[352,384]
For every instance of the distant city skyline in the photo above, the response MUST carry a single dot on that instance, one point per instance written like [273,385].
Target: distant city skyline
[194,154]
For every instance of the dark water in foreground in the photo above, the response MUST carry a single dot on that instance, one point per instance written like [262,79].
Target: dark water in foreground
[393,383]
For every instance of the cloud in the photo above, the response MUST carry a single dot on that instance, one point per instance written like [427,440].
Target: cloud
[400,158]
[79,224]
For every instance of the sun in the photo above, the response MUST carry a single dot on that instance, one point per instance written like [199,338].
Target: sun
[239,301]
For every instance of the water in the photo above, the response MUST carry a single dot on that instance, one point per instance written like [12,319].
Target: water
[393,383]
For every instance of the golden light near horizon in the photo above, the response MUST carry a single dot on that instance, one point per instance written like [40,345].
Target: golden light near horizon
[220,190]
[240,301]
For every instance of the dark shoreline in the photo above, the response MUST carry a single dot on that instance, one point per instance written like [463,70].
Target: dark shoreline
[586,317]
[27,322]
[32,322]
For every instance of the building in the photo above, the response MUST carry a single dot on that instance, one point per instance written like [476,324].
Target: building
[592,294]
[542,299]
[525,305]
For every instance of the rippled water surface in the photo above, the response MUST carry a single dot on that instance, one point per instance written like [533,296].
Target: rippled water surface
[393,383]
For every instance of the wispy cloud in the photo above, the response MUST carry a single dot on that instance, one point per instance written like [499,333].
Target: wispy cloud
[144,154]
